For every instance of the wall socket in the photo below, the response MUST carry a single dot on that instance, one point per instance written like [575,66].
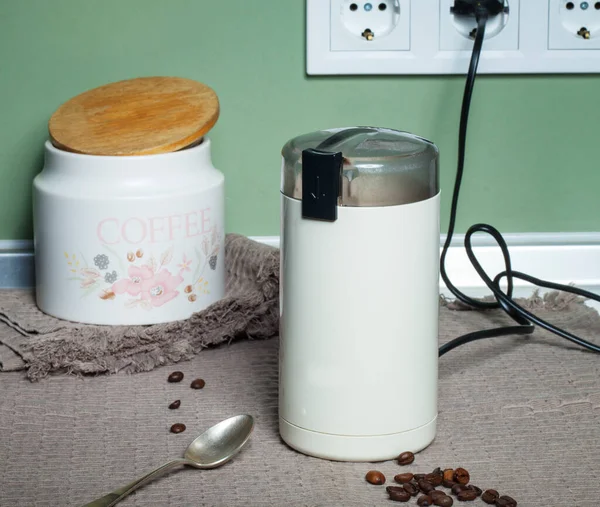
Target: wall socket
[425,37]
[368,26]
[501,33]
[574,25]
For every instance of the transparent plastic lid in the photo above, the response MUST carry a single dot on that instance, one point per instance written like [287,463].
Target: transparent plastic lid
[379,167]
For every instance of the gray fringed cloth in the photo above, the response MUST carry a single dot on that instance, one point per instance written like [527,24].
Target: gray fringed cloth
[43,344]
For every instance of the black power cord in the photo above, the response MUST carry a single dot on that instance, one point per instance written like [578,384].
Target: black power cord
[526,321]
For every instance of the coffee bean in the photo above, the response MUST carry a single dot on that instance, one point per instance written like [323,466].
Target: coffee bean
[466,495]
[419,477]
[406,458]
[448,484]
[444,501]
[506,501]
[375,477]
[437,471]
[198,384]
[425,486]
[448,474]
[461,476]
[178,428]
[477,490]
[424,501]
[435,494]
[434,479]
[175,405]
[411,489]
[403,478]
[490,496]
[176,376]
[399,496]
[389,489]
[457,488]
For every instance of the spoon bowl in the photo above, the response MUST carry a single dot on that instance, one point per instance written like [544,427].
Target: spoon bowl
[218,444]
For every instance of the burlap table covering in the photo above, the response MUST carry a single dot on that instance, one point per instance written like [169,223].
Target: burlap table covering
[522,414]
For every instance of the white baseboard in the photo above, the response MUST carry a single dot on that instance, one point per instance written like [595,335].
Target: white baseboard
[567,258]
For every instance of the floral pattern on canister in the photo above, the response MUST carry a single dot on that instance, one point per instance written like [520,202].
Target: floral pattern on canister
[146,281]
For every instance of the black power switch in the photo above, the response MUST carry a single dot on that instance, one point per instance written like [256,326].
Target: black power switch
[321,174]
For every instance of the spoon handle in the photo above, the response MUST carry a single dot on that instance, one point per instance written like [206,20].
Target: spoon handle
[118,494]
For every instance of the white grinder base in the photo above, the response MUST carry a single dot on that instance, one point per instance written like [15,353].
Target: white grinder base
[354,448]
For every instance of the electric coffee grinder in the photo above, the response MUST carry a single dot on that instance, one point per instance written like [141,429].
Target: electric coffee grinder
[359,293]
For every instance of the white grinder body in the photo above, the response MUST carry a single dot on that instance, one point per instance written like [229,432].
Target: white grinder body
[359,303]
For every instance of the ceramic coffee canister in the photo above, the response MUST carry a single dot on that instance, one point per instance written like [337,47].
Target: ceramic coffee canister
[128,209]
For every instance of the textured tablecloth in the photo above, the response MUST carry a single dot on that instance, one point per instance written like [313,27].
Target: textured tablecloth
[521,414]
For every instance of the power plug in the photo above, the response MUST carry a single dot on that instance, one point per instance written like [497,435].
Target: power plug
[476,7]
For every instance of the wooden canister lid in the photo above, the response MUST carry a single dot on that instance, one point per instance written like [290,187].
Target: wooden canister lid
[141,116]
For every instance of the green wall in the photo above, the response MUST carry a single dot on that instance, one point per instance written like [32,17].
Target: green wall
[532,162]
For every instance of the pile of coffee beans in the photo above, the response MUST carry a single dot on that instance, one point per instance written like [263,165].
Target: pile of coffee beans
[423,486]
[175,377]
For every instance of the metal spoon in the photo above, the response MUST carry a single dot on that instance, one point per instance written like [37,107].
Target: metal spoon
[215,447]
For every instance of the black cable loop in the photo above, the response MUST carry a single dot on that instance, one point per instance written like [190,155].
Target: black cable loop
[526,320]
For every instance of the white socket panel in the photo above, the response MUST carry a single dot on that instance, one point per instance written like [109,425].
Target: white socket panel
[423,37]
